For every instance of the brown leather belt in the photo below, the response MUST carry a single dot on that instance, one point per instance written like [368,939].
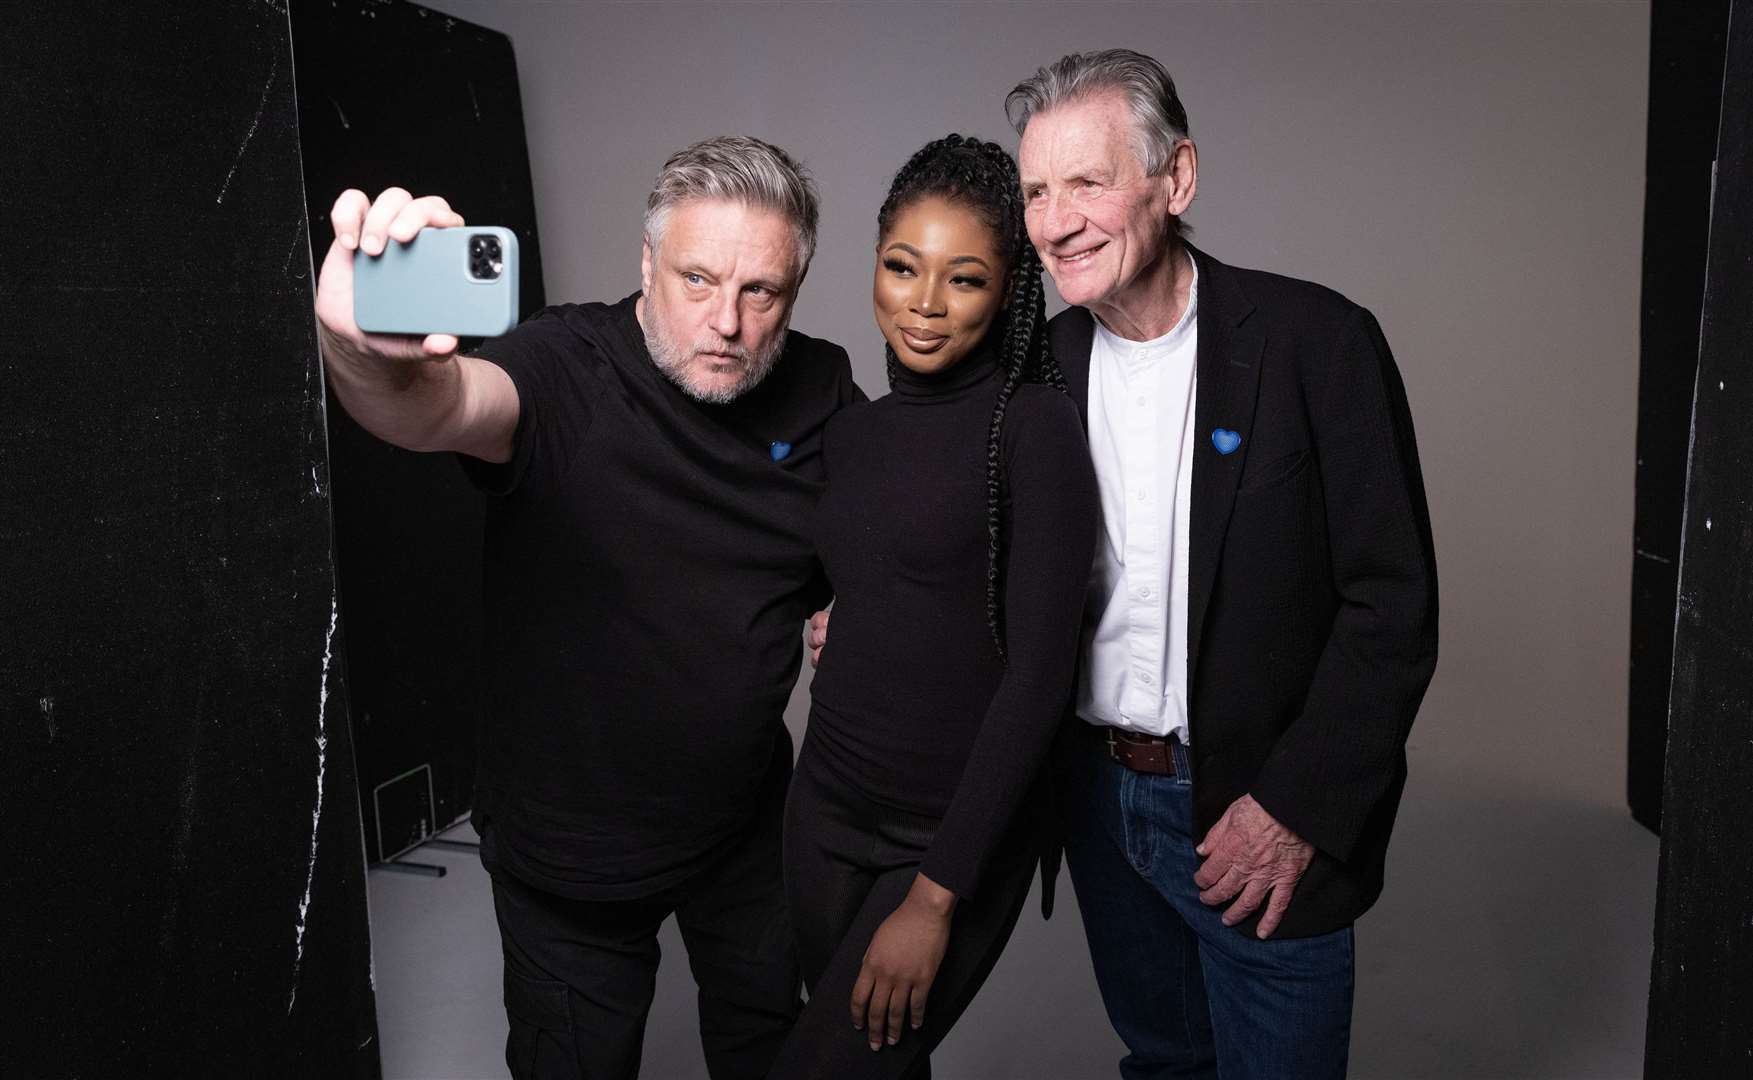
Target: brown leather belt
[1153,754]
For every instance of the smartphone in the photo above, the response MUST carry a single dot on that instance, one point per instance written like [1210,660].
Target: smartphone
[460,281]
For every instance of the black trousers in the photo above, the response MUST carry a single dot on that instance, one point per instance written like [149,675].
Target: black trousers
[579,975]
[848,865]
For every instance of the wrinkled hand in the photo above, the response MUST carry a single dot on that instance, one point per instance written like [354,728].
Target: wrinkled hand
[902,961]
[816,635]
[363,224]
[1250,855]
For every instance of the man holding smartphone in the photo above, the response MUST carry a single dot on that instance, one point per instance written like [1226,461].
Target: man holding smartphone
[651,467]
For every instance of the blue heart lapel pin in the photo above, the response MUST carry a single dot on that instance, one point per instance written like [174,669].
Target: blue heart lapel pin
[778,450]
[1226,440]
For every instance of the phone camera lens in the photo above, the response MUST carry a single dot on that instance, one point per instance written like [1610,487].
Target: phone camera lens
[486,257]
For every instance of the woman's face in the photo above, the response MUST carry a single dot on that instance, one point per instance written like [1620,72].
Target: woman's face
[940,283]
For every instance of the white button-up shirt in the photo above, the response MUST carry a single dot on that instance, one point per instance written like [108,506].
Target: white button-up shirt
[1141,419]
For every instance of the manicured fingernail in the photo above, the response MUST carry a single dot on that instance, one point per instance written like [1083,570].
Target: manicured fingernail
[893,1039]
[349,241]
[373,244]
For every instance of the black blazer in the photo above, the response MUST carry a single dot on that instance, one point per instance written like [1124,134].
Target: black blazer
[1312,598]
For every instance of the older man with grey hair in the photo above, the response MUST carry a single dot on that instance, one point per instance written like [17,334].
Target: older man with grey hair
[1261,622]
[651,468]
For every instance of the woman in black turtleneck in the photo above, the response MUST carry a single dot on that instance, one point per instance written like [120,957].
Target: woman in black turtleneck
[957,530]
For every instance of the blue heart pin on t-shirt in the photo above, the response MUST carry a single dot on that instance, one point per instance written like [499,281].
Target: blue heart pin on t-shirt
[1226,440]
[778,450]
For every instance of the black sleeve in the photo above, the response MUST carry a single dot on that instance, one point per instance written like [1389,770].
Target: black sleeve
[849,394]
[1330,768]
[819,593]
[545,359]
[1052,538]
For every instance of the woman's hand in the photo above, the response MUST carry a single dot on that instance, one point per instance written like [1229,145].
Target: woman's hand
[902,961]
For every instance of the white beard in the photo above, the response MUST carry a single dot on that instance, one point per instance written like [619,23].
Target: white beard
[676,360]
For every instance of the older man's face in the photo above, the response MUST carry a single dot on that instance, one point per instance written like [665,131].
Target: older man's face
[718,295]
[1098,221]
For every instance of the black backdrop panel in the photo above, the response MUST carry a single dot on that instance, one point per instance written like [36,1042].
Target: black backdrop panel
[1701,992]
[396,94]
[1686,65]
[183,887]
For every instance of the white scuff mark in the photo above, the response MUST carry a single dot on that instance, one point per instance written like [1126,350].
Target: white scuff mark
[273,72]
[47,704]
[316,815]
[287,265]
[345,126]
[1706,524]
[1652,555]
[473,100]
[316,486]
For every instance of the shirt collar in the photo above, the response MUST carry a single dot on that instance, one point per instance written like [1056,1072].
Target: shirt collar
[1138,352]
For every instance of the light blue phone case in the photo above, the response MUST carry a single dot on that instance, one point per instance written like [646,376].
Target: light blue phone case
[430,286]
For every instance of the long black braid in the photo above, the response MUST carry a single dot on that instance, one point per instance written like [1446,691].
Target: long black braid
[983,177]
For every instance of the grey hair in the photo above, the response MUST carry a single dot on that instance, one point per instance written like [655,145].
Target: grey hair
[739,169]
[1159,120]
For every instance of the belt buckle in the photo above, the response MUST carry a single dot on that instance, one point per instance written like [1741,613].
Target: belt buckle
[1113,746]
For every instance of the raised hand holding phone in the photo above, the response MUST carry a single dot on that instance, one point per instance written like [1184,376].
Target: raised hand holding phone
[363,225]
[447,402]
[458,280]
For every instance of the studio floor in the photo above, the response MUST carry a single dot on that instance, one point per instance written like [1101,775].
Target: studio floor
[1513,941]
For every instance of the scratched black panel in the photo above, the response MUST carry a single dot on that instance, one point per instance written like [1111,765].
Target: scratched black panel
[1686,67]
[183,888]
[1701,989]
[393,93]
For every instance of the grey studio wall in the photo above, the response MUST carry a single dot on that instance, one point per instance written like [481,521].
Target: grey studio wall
[1473,173]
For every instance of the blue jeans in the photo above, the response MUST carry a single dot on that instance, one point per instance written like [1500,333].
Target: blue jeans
[1188,995]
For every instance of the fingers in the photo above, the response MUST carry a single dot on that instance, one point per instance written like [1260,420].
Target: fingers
[378,218]
[348,216]
[916,1004]
[439,345]
[878,1018]
[1275,909]
[1232,882]
[335,291]
[1214,839]
[861,991]
[1246,903]
[1213,869]
[430,210]
[898,1004]
[816,636]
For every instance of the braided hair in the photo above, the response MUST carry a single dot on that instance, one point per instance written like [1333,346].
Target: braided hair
[982,176]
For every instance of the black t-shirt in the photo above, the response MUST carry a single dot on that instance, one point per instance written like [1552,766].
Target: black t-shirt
[912,704]
[648,566]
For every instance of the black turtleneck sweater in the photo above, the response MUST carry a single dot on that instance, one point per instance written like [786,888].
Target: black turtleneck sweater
[912,704]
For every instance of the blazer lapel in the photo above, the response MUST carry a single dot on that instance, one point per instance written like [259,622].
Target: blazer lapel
[1228,382]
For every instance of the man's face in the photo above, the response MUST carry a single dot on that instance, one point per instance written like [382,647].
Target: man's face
[1098,221]
[718,296]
